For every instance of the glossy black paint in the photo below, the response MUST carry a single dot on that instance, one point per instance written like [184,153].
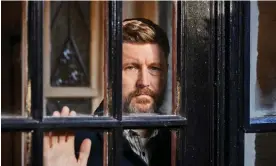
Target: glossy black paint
[198,77]
[234,77]
[213,52]
[115,77]
[250,127]
[35,51]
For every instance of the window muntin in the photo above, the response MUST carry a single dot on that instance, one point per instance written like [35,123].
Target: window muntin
[38,124]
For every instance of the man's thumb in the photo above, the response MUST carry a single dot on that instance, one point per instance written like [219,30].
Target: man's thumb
[84,152]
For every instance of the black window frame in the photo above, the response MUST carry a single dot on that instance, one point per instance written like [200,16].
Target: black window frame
[235,121]
[213,75]
[115,123]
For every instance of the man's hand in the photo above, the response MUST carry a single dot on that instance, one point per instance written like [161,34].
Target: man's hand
[58,148]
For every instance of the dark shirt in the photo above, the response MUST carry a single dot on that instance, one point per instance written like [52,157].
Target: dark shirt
[160,148]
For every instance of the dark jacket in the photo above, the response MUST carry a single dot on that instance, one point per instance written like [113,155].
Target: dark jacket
[160,145]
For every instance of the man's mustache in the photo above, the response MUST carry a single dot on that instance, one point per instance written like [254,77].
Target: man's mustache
[138,92]
[144,91]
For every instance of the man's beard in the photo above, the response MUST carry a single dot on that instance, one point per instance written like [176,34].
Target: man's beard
[129,108]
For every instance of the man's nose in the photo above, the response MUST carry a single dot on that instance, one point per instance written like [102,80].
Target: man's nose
[143,80]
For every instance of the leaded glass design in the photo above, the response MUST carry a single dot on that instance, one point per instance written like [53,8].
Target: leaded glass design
[70,38]
[70,71]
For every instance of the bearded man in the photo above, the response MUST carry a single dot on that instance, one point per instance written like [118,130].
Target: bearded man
[144,79]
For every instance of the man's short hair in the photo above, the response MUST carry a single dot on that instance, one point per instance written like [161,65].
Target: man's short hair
[142,31]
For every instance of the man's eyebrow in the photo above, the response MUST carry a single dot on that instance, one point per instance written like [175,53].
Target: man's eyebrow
[157,64]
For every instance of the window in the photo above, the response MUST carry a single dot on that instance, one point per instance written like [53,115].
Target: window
[260,116]
[209,74]
[72,52]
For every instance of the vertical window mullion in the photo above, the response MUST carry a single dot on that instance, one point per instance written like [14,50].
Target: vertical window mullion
[175,110]
[115,57]
[115,75]
[35,20]
[106,83]
[35,58]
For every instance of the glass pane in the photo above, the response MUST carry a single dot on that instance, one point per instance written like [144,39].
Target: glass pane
[140,146]
[70,38]
[14,59]
[82,106]
[145,144]
[69,144]
[15,148]
[263,62]
[260,149]
[146,78]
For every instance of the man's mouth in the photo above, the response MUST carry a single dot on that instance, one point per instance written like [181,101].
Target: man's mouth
[143,99]
[144,96]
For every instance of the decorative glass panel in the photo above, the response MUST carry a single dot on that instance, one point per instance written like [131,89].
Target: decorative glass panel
[80,105]
[70,38]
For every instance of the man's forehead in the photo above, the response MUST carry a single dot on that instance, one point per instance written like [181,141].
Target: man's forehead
[142,54]
[142,50]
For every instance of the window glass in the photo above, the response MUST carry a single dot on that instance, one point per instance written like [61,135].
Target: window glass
[262,62]
[81,146]
[73,73]
[260,149]
[147,77]
[15,148]
[14,70]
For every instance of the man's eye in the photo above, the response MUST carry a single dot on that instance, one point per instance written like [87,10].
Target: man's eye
[130,67]
[156,68]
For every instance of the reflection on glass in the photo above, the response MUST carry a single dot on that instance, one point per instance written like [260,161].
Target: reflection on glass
[70,38]
[82,106]
[263,63]
[146,72]
[15,148]
[260,149]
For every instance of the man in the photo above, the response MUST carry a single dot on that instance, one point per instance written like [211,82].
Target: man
[144,76]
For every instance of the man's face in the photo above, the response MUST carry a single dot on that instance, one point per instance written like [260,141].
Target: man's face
[144,74]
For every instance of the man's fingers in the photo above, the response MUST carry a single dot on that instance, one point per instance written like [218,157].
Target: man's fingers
[84,152]
[73,113]
[62,135]
[54,136]
[56,114]
[70,136]
[65,111]
[46,142]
